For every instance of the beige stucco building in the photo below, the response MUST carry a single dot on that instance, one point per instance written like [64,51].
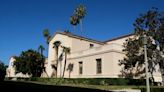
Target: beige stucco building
[10,72]
[88,58]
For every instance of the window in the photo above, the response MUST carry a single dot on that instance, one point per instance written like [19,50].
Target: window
[99,66]
[91,45]
[80,67]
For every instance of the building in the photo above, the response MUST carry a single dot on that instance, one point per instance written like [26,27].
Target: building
[10,72]
[88,58]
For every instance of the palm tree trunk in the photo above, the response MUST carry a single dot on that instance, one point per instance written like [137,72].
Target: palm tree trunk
[56,62]
[41,51]
[64,64]
[45,72]
[60,69]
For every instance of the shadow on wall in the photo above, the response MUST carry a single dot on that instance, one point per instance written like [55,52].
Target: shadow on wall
[21,86]
[70,69]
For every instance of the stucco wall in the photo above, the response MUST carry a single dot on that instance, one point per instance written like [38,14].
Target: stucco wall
[81,51]
[75,45]
[110,67]
[110,55]
[11,69]
[79,45]
[119,41]
[65,41]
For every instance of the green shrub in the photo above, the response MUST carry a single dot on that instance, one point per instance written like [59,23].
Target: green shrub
[89,81]
[95,81]
[153,89]
[2,71]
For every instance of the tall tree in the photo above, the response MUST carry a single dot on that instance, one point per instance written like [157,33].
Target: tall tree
[74,21]
[56,45]
[41,49]
[29,62]
[46,34]
[2,70]
[147,24]
[66,51]
[80,12]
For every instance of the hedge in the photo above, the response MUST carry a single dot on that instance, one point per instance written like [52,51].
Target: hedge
[137,83]
[90,81]
[152,89]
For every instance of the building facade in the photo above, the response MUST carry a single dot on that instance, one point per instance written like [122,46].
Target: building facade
[88,58]
[10,72]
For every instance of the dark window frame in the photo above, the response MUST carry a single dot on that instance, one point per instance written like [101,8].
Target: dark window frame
[80,68]
[99,66]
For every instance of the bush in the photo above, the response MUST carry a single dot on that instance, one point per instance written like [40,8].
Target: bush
[95,81]
[88,81]
[2,71]
[153,89]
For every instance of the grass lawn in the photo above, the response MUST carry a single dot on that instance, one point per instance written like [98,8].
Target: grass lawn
[16,86]
[99,87]
[49,87]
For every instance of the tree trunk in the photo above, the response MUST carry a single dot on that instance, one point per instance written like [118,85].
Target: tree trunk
[56,61]
[60,69]
[46,72]
[64,64]
[41,52]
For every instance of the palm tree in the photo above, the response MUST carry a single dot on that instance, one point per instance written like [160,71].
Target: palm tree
[66,51]
[56,46]
[46,35]
[74,21]
[40,50]
[80,12]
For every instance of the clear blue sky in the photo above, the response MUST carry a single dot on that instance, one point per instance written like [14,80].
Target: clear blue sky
[22,21]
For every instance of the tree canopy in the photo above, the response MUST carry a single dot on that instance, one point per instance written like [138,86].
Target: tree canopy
[30,62]
[46,35]
[150,24]
[2,70]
